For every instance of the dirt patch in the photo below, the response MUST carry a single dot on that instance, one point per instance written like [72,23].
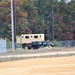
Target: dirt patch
[40,66]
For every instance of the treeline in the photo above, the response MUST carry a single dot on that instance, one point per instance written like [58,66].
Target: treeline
[35,16]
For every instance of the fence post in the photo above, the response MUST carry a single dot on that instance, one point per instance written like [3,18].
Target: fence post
[3,46]
[68,43]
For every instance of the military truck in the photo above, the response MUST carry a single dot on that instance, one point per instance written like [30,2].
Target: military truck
[30,40]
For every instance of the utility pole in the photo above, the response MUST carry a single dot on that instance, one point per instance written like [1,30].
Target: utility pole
[13,22]
[53,20]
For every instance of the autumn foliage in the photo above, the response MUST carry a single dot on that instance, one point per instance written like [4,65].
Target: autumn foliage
[35,16]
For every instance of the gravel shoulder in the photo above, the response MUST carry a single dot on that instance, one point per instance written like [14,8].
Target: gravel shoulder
[19,54]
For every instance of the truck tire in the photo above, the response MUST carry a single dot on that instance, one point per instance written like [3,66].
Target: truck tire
[23,45]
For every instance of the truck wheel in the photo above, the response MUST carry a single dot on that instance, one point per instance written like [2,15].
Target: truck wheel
[23,46]
[29,47]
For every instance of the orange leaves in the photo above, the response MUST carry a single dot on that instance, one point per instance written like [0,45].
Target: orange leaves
[69,35]
[25,14]
[19,2]
[22,14]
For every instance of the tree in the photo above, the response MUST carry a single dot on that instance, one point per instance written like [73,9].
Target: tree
[35,16]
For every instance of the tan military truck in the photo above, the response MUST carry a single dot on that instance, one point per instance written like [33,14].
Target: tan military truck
[27,40]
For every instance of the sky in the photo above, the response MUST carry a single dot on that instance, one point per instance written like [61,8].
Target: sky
[68,0]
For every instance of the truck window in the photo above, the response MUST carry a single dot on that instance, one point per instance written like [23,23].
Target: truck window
[40,35]
[27,37]
[35,36]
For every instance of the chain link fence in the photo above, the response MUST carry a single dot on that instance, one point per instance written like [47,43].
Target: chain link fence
[9,45]
[62,48]
[65,43]
[57,44]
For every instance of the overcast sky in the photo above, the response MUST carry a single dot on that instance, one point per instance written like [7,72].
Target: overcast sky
[68,0]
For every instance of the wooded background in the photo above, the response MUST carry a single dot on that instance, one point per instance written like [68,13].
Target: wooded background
[35,16]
